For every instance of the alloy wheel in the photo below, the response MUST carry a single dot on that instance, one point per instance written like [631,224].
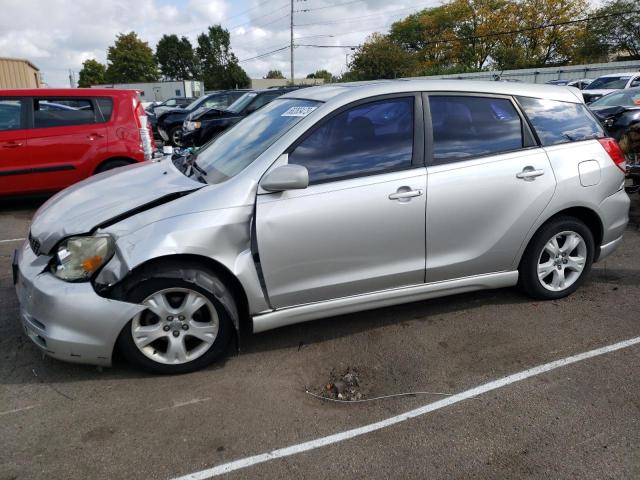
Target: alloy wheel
[561,261]
[178,326]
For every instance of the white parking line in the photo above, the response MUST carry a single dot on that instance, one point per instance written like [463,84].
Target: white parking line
[16,410]
[467,394]
[12,240]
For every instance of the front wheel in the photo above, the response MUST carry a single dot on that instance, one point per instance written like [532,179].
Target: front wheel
[184,327]
[175,136]
[557,259]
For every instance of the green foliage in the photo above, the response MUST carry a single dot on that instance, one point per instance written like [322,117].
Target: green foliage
[129,60]
[326,75]
[218,64]
[381,57]
[472,35]
[176,58]
[620,33]
[274,74]
[92,73]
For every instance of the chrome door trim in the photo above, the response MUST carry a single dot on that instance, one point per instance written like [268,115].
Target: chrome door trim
[384,298]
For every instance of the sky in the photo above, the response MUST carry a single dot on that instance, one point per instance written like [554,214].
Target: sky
[58,35]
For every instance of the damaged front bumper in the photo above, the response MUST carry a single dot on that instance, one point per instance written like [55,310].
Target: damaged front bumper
[67,321]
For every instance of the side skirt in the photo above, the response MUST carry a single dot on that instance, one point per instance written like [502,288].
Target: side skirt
[383,298]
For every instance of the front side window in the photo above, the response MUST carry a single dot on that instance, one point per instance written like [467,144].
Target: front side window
[236,148]
[10,114]
[372,138]
[560,122]
[62,112]
[466,127]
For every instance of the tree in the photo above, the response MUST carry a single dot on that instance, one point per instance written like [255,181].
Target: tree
[218,64]
[92,73]
[380,57]
[129,60]
[620,29]
[326,75]
[176,58]
[275,74]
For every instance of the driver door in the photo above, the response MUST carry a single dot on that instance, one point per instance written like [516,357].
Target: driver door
[359,226]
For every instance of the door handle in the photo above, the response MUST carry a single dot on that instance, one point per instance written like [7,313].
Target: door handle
[93,136]
[404,194]
[12,145]
[529,174]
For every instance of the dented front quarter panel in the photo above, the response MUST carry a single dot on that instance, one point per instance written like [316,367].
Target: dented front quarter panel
[214,222]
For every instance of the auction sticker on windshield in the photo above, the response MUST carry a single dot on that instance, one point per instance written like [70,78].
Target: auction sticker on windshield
[298,111]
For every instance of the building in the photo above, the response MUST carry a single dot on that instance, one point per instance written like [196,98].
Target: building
[260,83]
[161,91]
[19,73]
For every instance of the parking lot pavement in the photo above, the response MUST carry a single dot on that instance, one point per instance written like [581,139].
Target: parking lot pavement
[580,421]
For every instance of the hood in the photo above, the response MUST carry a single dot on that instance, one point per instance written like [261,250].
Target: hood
[598,91]
[107,198]
[608,111]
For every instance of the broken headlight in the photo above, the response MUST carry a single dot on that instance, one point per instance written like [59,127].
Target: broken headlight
[78,258]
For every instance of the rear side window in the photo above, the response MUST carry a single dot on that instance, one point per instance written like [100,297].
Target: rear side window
[62,112]
[466,127]
[367,139]
[10,114]
[560,122]
[105,105]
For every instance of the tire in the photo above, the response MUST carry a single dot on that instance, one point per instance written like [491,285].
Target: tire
[151,340]
[565,271]
[175,136]
[111,164]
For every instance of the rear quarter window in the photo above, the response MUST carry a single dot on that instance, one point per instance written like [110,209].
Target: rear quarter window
[560,122]
[105,105]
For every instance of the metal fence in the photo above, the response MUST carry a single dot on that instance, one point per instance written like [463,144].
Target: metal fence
[543,75]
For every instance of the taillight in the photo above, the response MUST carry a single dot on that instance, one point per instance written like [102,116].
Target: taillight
[615,152]
[144,127]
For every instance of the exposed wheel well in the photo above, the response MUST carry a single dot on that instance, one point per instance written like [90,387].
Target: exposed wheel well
[194,261]
[590,219]
[104,162]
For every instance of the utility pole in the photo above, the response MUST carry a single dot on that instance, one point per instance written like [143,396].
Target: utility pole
[291,46]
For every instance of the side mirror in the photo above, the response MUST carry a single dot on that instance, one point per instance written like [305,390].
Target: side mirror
[286,177]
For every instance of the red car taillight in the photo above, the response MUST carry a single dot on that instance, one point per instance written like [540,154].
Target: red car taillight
[615,152]
[144,127]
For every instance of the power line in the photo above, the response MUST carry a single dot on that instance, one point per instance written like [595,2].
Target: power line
[358,19]
[261,16]
[328,46]
[265,54]
[328,6]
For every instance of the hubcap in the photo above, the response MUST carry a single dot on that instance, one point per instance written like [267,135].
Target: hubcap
[177,137]
[178,326]
[562,261]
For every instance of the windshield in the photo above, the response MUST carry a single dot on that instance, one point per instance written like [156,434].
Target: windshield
[608,82]
[243,101]
[629,98]
[196,103]
[238,147]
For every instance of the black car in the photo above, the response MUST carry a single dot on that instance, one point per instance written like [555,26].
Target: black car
[203,124]
[173,102]
[169,123]
[619,113]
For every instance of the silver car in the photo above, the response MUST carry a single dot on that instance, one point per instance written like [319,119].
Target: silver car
[329,200]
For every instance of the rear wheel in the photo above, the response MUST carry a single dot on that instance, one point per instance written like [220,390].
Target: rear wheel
[557,259]
[111,164]
[184,327]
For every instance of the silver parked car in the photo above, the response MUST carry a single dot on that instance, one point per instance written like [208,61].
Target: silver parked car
[328,200]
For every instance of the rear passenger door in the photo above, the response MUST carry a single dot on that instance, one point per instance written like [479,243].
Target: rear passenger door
[14,156]
[67,141]
[488,182]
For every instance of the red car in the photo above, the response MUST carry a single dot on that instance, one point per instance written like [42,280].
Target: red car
[52,138]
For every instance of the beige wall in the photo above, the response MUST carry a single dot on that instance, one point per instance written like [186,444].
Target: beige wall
[258,83]
[17,73]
